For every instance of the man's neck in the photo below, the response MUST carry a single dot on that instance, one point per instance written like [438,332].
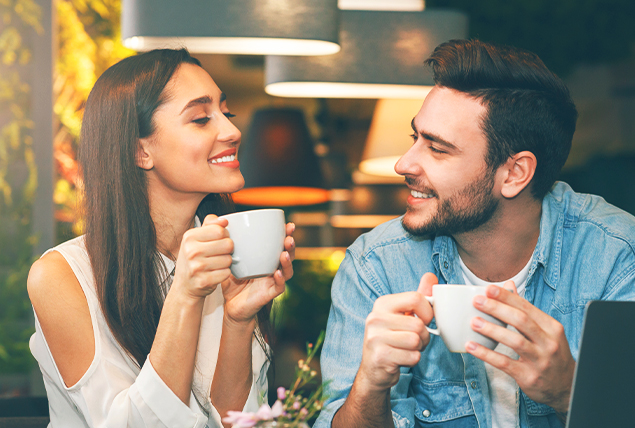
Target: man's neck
[500,249]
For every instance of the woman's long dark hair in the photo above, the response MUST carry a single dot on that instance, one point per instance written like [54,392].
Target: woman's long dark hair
[120,234]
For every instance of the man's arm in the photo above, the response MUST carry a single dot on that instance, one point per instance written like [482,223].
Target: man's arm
[392,338]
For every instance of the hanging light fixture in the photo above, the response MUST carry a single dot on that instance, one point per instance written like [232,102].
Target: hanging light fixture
[389,136]
[381,57]
[278,161]
[251,27]
[403,5]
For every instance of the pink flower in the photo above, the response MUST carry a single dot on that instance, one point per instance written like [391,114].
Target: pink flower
[240,419]
[282,393]
[264,413]
[296,405]
[277,409]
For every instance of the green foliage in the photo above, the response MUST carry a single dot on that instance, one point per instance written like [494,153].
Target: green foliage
[302,311]
[18,182]
[89,43]
[562,32]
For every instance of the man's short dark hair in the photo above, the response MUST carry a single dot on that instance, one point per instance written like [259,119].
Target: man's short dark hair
[528,107]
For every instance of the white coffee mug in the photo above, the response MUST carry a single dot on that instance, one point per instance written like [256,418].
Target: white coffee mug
[454,310]
[258,237]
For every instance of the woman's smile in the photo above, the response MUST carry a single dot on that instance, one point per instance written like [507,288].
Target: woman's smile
[227,158]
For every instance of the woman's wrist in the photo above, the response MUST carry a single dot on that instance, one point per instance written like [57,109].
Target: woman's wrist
[184,299]
[243,327]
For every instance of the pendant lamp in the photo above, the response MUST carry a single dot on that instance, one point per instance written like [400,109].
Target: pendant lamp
[278,161]
[381,5]
[389,136]
[381,56]
[250,27]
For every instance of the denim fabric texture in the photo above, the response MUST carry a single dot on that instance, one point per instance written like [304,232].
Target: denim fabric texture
[586,251]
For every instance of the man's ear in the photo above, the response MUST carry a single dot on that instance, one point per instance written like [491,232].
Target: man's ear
[143,158]
[519,170]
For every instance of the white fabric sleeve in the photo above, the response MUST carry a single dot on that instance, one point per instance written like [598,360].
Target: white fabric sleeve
[257,393]
[107,399]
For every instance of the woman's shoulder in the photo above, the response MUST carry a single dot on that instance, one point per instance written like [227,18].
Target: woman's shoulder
[63,313]
[53,276]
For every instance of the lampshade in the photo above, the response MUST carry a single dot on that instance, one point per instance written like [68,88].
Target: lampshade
[389,136]
[382,56]
[253,27]
[381,4]
[278,161]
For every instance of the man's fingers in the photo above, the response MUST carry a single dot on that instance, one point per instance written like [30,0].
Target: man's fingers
[495,359]
[394,322]
[509,285]
[410,302]
[526,312]
[426,283]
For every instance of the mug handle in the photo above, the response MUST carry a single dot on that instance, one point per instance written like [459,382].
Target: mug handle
[434,331]
[235,260]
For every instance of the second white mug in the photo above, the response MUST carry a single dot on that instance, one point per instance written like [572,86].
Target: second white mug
[454,310]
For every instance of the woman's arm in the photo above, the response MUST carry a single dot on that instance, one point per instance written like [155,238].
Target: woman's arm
[62,310]
[113,394]
[243,299]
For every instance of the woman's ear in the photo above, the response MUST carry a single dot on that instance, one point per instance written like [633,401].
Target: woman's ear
[143,158]
[520,169]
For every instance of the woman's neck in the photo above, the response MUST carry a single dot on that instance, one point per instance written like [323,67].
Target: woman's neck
[172,217]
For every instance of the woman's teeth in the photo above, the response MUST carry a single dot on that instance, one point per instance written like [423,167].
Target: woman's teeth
[420,195]
[223,159]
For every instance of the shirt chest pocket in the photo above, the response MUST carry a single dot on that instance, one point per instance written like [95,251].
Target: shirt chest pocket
[439,402]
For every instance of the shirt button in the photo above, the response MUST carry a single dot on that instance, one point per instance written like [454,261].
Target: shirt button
[426,413]
[445,264]
[473,384]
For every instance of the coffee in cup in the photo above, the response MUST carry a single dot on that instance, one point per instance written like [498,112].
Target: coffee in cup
[454,310]
[258,237]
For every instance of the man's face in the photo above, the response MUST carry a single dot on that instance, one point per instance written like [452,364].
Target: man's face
[451,187]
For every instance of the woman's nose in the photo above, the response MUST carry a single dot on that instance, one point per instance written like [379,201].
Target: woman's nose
[228,131]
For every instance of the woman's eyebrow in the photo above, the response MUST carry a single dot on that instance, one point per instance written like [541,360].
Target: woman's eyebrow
[205,99]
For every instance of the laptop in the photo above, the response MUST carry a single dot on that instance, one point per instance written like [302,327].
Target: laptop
[604,383]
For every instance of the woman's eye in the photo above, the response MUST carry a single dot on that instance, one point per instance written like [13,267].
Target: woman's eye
[202,120]
[229,115]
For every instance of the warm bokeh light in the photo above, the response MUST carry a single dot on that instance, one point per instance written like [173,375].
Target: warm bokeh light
[281,196]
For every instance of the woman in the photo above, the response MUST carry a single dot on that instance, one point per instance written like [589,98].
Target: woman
[132,327]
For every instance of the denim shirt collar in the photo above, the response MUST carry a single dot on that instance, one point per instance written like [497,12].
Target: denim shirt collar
[548,251]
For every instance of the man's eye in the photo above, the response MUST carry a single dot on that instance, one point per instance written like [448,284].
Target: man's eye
[202,120]
[229,115]
[435,150]
[414,137]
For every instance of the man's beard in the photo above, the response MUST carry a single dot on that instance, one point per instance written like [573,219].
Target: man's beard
[462,212]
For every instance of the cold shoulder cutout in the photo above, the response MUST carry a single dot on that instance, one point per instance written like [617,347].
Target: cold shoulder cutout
[62,311]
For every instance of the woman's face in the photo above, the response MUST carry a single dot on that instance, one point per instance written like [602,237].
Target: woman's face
[193,150]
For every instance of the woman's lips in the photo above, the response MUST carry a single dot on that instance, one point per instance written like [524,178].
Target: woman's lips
[226,158]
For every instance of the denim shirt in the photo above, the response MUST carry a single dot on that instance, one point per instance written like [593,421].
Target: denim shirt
[586,251]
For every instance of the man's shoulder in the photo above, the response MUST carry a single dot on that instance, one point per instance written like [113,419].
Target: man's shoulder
[592,211]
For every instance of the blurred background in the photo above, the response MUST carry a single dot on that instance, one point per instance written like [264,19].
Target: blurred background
[318,153]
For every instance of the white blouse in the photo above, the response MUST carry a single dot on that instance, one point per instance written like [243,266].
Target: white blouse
[114,392]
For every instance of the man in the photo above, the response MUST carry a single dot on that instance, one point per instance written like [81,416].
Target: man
[489,143]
